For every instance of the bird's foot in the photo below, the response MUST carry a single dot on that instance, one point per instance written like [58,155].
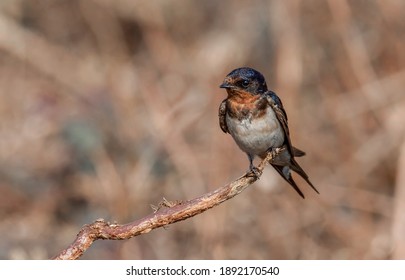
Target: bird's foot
[254,171]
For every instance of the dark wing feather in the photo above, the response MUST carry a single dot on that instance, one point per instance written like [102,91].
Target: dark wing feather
[297,152]
[222,117]
[281,115]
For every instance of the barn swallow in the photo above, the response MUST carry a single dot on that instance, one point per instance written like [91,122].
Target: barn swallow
[257,121]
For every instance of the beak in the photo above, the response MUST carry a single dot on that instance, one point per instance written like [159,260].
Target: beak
[225,85]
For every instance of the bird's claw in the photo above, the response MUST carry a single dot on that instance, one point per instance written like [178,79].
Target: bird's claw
[255,172]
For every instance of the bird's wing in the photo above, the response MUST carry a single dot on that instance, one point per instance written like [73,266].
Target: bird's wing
[281,115]
[297,152]
[278,108]
[222,117]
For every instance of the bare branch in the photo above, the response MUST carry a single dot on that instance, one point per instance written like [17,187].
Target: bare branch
[166,213]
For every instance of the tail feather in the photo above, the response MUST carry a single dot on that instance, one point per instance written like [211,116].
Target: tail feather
[288,178]
[297,168]
[284,163]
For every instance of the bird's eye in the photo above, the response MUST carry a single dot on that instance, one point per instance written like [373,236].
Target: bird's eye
[245,83]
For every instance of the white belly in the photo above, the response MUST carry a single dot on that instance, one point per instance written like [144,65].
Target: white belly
[255,137]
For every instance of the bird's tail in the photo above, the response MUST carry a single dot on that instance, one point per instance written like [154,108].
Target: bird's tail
[284,171]
[297,168]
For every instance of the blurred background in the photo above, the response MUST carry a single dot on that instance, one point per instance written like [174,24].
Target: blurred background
[108,106]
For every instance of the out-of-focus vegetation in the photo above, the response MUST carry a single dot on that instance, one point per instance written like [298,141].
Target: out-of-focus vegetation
[108,106]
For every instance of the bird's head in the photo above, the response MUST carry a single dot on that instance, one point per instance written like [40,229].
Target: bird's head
[245,79]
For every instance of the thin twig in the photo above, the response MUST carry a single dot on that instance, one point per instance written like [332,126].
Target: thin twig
[166,213]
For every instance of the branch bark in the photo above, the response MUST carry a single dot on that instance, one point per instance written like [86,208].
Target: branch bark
[172,212]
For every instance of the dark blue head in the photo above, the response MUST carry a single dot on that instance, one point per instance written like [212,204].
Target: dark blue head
[246,79]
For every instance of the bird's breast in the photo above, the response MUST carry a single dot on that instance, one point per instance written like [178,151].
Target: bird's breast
[254,126]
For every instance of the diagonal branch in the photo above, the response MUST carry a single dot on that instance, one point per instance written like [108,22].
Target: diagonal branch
[172,213]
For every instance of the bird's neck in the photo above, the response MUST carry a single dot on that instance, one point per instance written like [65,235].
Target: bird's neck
[240,106]
[242,97]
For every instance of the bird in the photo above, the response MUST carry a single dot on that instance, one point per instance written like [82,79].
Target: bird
[256,119]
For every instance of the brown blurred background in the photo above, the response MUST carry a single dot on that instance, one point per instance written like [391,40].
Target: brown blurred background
[107,106]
